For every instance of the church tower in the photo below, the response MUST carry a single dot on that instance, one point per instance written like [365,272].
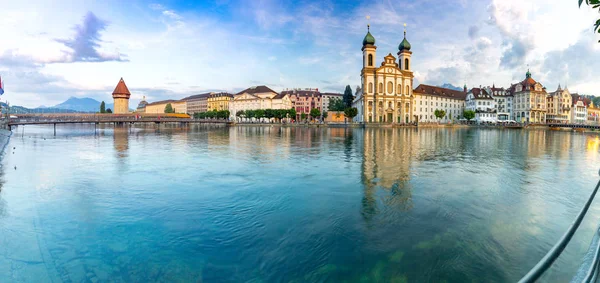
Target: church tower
[121,98]
[369,67]
[404,54]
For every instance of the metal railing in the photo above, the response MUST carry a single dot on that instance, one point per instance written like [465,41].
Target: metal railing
[538,270]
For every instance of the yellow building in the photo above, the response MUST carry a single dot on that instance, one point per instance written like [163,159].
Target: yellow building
[159,107]
[121,96]
[593,113]
[386,89]
[219,101]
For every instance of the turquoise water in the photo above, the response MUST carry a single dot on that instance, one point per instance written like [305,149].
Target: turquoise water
[269,204]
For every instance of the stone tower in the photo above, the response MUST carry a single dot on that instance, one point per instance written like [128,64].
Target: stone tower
[121,98]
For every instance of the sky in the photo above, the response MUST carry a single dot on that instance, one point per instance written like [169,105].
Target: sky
[53,50]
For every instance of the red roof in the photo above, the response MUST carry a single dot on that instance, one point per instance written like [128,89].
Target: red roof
[440,91]
[121,88]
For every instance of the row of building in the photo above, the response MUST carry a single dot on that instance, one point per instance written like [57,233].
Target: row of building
[387,96]
[253,98]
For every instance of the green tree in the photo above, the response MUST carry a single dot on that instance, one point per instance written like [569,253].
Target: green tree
[325,114]
[108,110]
[303,116]
[240,113]
[259,114]
[469,114]
[292,113]
[314,113]
[169,108]
[348,97]
[350,112]
[439,113]
[336,104]
[102,107]
[595,5]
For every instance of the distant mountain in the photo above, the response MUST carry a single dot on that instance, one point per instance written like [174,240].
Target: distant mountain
[451,86]
[15,109]
[84,104]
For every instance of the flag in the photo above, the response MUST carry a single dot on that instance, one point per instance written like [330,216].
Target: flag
[1,87]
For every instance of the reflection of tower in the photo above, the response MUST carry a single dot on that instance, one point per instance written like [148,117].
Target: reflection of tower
[121,98]
[386,166]
[121,141]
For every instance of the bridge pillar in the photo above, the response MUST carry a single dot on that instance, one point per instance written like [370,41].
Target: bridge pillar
[54,129]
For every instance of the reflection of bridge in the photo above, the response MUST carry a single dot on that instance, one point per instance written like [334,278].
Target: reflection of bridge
[575,126]
[49,119]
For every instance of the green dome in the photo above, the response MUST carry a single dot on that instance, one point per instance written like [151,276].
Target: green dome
[369,39]
[404,45]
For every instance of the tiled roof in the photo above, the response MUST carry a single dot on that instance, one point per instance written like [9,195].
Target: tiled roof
[440,91]
[257,89]
[121,88]
[221,94]
[299,92]
[162,102]
[197,96]
[576,97]
[480,93]
[279,96]
[332,94]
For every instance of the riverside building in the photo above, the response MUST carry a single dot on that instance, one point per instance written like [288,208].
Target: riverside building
[386,95]
[429,98]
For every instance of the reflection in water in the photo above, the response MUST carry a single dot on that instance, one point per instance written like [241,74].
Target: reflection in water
[386,164]
[121,141]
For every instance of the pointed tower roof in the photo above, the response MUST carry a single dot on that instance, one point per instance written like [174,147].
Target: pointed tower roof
[404,45]
[121,91]
[369,39]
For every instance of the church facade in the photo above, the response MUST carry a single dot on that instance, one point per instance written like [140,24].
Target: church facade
[386,95]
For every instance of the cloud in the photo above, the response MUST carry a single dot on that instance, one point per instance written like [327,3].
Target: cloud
[577,64]
[171,14]
[473,31]
[86,41]
[513,24]
[156,7]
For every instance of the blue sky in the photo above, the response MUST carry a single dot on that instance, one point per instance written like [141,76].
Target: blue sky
[52,50]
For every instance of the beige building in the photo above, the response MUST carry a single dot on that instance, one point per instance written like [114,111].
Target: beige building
[529,100]
[121,96]
[219,101]
[259,97]
[429,98]
[159,107]
[558,105]
[386,95]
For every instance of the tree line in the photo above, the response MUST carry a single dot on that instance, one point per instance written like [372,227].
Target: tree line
[214,114]
[103,108]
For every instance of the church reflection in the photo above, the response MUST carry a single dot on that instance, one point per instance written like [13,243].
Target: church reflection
[387,155]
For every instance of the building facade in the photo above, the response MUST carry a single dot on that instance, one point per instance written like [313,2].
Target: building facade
[259,97]
[219,101]
[179,106]
[579,113]
[326,97]
[482,103]
[121,96]
[558,106]
[429,98]
[196,103]
[593,114]
[529,100]
[386,95]
[304,100]
[503,101]
[141,108]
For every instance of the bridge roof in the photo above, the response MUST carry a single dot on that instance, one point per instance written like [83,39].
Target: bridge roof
[121,88]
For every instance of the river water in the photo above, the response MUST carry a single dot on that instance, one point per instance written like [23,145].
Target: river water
[270,204]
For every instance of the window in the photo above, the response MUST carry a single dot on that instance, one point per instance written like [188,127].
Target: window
[398,89]
[370,60]
[370,87]
[407,90]
[380,88]
[390,87]
[406,64]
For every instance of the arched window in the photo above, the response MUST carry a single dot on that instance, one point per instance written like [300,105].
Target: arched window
[380,88]
[390,87]
[399,89]
[370,60]
[406,64]
[370,87]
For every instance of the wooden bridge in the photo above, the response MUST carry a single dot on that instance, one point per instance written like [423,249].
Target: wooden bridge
[116,119]
[575,126]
